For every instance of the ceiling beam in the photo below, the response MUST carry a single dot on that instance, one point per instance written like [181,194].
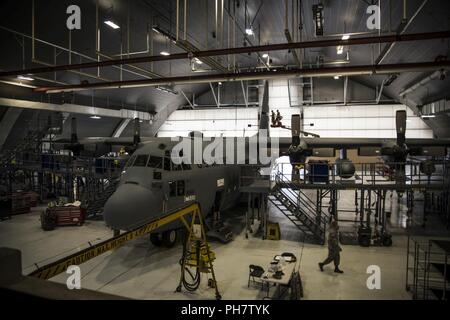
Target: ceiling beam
[75,108]
[401,30]
[257,75]
[239,50]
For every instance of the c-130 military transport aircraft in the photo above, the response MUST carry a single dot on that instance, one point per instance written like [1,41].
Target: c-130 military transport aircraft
[152,183]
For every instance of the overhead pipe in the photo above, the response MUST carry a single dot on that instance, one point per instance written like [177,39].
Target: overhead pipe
[313,72]
[239,50]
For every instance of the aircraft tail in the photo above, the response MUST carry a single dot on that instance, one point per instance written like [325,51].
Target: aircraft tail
[264,115]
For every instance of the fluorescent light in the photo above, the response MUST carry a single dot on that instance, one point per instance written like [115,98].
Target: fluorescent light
[249,31]
[112,24]
[25,78]
[220,83]
[95,117]
[164,53]
[19,84]
[426,116]
[345,37]
[265,55]
[336,77]
[340,49]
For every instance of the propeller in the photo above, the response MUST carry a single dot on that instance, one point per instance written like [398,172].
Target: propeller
[398,150]
[136,136]
[299,151]
[75,146]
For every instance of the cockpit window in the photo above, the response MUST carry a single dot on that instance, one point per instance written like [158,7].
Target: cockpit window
[167,164]
[155,162]
[141,160]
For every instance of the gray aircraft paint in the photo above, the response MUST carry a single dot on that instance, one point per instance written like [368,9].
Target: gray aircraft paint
[140,197]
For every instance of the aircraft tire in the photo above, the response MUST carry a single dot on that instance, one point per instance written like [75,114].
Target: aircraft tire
[169,238]
[155,239]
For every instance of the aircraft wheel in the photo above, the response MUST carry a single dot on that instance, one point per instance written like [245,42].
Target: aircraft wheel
[169,238]
[155,239]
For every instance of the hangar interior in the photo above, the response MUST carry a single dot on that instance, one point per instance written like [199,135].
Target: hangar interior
[95,94]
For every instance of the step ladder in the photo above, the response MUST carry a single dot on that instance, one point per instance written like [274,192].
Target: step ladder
[301,214]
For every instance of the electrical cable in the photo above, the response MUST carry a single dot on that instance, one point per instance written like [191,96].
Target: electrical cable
[195,279]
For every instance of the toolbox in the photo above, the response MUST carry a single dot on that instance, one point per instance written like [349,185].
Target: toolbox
[62,216]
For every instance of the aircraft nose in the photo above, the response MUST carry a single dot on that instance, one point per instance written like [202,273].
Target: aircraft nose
[130,206]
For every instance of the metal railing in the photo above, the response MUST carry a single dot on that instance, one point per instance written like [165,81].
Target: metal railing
[307,206]
[427,269]
[396,174]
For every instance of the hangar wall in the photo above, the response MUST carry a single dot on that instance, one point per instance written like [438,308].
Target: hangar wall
[362,121]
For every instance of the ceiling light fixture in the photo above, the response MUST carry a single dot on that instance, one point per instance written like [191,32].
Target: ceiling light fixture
[25,78]
[427,116]
[318,19]
[336,77]
[265,55]
[249,31]
[112,24]
[345,37]
[340,49]
[95,117]
[198,61]
[164,53]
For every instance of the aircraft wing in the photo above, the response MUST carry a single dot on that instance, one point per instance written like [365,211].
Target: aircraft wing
[354,143]
[366,146]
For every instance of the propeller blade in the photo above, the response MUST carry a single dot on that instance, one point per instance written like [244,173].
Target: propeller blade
[295,129]
[73,131]
[137,131]
[400,125]
[264,118]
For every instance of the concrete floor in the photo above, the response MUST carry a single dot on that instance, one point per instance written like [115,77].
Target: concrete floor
[140,270]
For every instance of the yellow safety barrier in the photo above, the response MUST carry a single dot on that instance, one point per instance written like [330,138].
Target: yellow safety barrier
[49,271]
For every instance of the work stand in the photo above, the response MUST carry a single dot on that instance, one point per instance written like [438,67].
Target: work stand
[196,254]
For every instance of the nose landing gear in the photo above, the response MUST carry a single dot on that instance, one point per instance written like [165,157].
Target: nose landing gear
[167,238]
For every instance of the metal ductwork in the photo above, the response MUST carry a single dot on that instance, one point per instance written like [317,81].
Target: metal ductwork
[424,81]
[256,75]
[240,50]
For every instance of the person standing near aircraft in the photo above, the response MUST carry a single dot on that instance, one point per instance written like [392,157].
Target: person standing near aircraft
[334,248]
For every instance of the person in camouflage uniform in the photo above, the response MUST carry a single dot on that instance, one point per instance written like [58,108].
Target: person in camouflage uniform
[334,248]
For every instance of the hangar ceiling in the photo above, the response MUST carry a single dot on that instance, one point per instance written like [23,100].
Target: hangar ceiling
[146,28]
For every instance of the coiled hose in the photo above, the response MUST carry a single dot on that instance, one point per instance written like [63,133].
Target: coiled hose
[194,279]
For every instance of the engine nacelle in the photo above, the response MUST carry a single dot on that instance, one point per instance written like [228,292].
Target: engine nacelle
[344,168]
[298,152]
[427,167]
